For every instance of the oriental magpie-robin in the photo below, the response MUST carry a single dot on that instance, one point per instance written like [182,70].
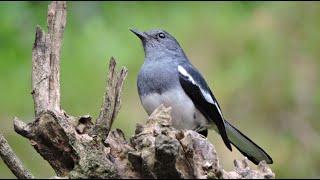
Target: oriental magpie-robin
[168,77]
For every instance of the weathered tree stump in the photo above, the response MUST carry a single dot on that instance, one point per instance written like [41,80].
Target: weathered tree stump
[77,147]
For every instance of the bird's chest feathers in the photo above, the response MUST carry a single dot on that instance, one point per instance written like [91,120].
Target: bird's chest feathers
[169,98]
[157,78]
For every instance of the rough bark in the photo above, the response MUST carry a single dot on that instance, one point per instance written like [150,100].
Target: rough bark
[76,147]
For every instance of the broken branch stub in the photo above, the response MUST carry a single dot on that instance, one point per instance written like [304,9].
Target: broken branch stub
[111,101]
[46,59]
[56,19]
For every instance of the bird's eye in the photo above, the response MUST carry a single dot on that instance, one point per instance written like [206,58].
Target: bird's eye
[161,35]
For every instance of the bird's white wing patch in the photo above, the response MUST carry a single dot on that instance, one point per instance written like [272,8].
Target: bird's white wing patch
[186,74]
[206,94]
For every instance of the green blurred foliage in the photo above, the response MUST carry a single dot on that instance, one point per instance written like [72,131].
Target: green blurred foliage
[260,58]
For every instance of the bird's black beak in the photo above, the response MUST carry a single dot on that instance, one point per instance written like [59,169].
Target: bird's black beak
[141,35]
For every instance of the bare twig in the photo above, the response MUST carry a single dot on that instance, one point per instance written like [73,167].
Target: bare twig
[46,60]
[111,103]
[12,161]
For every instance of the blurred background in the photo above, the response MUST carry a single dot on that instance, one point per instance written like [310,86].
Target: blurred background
[261,59]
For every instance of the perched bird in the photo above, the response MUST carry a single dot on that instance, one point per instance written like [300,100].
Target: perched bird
[168,77]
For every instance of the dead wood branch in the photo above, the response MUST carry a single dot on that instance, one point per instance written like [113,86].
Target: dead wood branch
[112,100]
[46,59]
[12,161]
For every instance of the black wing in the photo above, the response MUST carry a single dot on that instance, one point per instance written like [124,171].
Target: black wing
[197,89]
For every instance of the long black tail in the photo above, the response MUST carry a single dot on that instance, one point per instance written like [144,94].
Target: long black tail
[247,147]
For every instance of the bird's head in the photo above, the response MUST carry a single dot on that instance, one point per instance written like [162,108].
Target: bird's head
[158,42]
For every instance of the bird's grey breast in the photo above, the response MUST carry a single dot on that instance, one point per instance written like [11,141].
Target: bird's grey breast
[157,77]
